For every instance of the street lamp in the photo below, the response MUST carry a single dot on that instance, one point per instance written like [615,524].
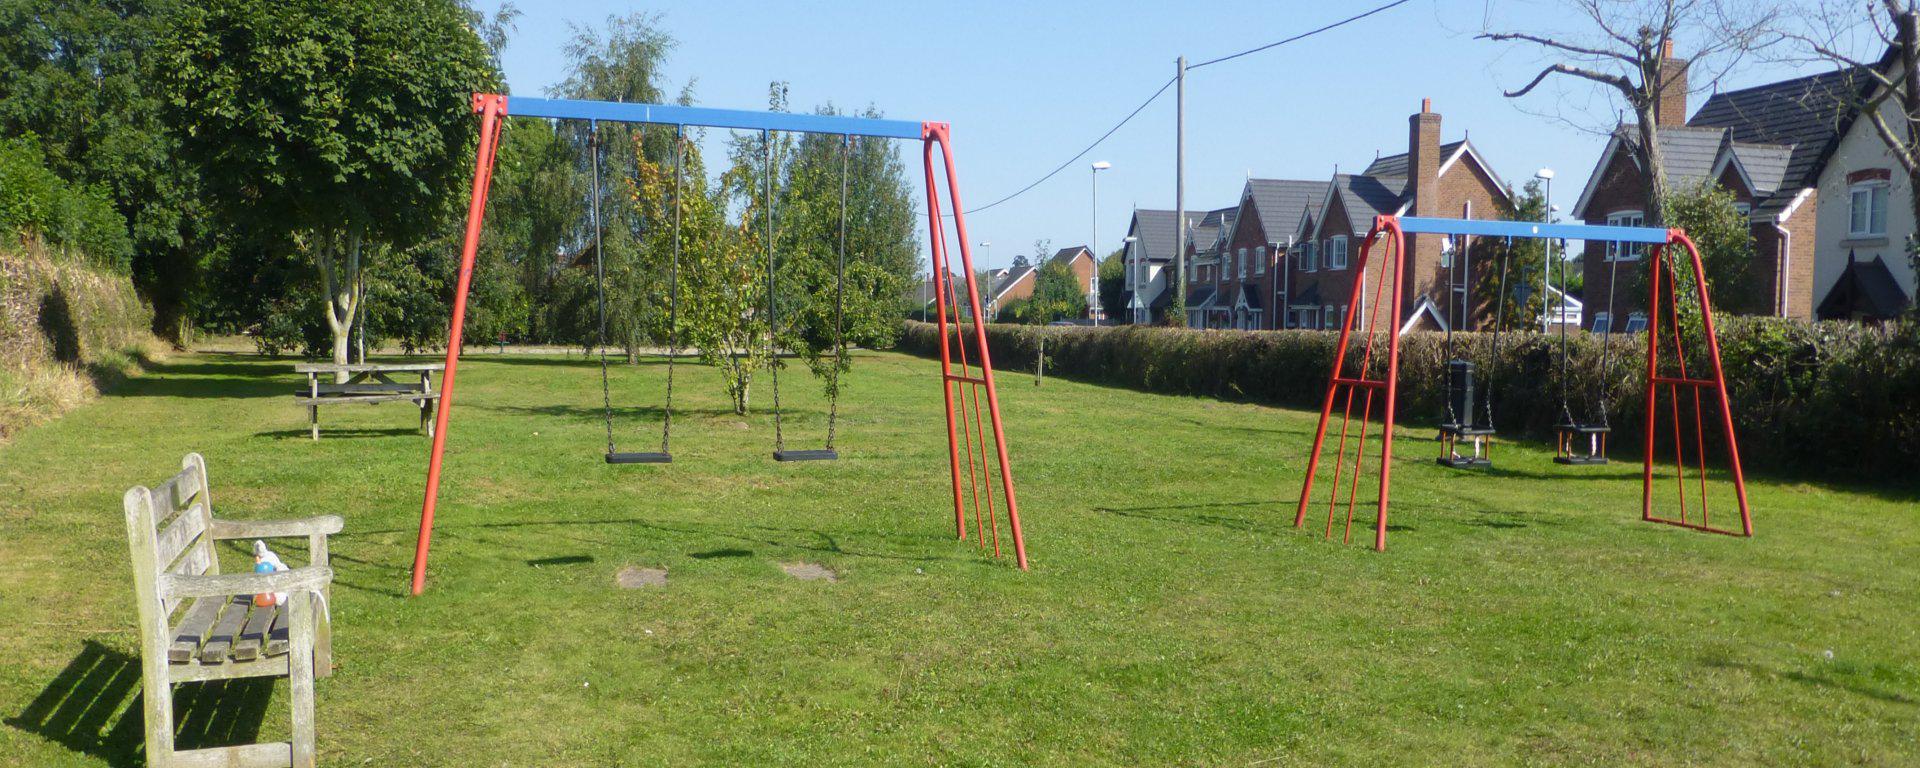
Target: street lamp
[1093,281]
[1545,175]
[986,265]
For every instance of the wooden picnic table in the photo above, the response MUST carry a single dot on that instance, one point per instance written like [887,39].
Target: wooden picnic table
[368,383]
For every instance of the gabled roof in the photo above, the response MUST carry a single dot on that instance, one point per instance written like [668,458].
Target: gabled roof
[1279,203]
[1201,297]
[1365,197]
[1067,255]
[1212,227]
[1865,288]
[1310,297]
[1778,135]
[1396,165]
[1809,114]
[1012,277]
[1154,228]
[1249,296]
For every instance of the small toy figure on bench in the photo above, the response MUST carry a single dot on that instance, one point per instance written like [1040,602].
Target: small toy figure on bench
[198,624]
[368,383]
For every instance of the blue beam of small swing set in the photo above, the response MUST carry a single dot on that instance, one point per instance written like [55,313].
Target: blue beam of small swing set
[674,114]
[1531,229]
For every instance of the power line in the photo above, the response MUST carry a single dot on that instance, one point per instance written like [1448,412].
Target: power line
[1303,35]
[1169,83]
[1083,153]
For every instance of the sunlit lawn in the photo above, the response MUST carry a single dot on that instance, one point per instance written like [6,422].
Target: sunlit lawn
[1173,614]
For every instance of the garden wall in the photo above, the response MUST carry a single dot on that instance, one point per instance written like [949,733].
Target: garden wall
[1836,398]
[68,327]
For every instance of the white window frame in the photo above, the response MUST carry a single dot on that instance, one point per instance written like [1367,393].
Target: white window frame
[1259,259]
[1240,257]
[1636,322]
[1337,252]
[1744,209]
[1310,261]
[1602,323]
[1328,320]
[1877,192]
[1617,251]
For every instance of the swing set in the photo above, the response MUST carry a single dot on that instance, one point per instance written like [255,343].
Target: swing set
[966,384]
[1377,379]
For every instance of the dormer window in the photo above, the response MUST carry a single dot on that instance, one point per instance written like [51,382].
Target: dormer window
[1260,260]
[1867,209]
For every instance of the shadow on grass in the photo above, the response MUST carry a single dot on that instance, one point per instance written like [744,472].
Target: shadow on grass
[540,562]
[821,541]
[196,378]
[325,432]
[94,707]
[1819,681]
[1279,523]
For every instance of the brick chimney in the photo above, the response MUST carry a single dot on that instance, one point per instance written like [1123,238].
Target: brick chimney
[1423,180]
[1671,106]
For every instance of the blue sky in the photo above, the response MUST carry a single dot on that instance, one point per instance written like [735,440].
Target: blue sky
[1025,85]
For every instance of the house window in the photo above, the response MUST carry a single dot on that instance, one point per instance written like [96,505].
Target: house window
[1310,257]
[1337,252]
[1636,322]
[1867,210]
[1446,253]
[1242,256]
[1626,251]
[1743,208]
[1602,322]
[1260,260]
[1329,319]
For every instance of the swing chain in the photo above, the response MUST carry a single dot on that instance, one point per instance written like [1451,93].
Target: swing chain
[600,277]
[673,292]
[839,303]
[773,317]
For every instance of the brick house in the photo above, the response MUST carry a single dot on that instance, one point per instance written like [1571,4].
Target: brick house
[1008,286]
[1799,166]
[1430,179]
[1207,304]
[1247,282]
[1086,271]
[1150,245]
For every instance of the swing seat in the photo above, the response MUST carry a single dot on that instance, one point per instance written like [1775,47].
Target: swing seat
[1466,430]
[649,457]
[818,454]
[1568,432]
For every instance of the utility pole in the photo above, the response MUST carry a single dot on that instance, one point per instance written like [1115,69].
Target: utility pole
[1180,192]
[1093,285]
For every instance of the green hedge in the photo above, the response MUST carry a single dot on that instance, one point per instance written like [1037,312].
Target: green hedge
[1840,398]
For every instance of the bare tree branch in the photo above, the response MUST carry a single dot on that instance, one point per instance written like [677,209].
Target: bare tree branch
[1624,85]
[1501,37]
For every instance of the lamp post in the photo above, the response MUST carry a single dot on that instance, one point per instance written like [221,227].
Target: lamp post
[986,265]
[1545,175]
[1132,264]
[1093,281]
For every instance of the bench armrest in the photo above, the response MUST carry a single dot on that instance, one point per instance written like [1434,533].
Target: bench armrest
[325,525]
[174,586]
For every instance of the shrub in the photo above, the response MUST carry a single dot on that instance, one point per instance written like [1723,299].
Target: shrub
[33,200]
[1834,397]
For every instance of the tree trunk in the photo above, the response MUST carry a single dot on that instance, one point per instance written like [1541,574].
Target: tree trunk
[341,280]
[1654,165]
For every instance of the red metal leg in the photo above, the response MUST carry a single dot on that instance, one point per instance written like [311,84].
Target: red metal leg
[492,108]
[941,274]
[939,133]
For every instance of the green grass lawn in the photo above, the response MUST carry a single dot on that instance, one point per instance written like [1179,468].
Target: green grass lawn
[1173,614]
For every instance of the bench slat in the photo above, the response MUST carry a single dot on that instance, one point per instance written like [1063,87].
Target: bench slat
[220,640]
[301,398]
[192,628]
[198,560]
[254,635]
[184,531]
[277,637]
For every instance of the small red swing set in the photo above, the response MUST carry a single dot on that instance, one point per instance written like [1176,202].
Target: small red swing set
[965,383]
[1670,373]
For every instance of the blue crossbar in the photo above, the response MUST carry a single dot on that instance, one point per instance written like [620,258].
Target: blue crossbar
[1533,229]
[673,114]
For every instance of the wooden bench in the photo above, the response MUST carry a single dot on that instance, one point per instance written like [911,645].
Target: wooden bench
[368,383]
[198,624]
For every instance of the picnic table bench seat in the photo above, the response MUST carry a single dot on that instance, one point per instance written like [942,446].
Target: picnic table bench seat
[369,384]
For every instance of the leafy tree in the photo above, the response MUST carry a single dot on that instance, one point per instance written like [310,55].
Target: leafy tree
[1021,260]
[78,75]
[335,124]
[1113,286]
[1706,211]
[1057,295]
[1518,264]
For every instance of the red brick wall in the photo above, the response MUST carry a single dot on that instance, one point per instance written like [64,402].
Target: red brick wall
[1620,188]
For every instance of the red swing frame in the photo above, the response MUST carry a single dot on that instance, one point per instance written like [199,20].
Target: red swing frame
[1662,293]
[970,379]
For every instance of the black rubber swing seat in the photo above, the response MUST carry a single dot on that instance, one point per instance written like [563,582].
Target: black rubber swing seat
[650,457]
[1463,430]
[816,454]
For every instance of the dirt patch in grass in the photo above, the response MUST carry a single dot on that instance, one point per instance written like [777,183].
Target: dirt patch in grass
[636,577]
[805,571]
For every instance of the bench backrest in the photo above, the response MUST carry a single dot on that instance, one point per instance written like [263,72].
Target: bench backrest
[170,530]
